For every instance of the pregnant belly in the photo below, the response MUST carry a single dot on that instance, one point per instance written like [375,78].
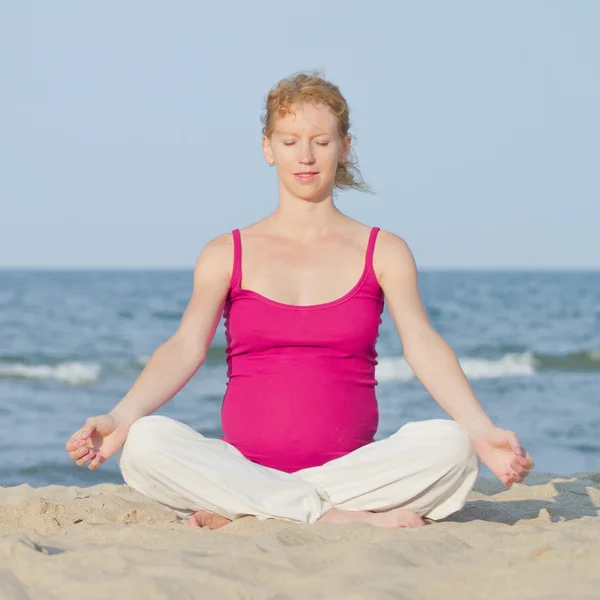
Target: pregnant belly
[300,424]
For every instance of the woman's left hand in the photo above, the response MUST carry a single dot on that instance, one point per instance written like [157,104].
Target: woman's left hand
[501,452]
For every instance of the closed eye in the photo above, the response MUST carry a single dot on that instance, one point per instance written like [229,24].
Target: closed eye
[292,143]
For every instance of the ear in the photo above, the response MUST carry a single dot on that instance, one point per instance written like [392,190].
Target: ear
[267,150]
[345,148]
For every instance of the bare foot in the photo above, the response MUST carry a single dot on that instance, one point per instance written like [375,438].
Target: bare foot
[394,519]
[203,518]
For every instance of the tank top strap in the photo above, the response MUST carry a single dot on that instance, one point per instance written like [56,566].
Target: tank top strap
[236,271]
[371,250]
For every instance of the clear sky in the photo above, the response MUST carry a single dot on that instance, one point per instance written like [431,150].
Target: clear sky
[131,130]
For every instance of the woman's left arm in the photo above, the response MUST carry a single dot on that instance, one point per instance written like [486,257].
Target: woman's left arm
[435,364]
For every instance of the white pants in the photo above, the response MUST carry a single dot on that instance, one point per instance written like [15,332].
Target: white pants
[426,466]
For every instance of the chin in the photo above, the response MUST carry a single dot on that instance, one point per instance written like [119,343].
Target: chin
[310,193]
[315,195]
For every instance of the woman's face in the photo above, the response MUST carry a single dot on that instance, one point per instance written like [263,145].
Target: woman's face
[307,149]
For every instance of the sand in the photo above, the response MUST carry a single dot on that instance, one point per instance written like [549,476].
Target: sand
[539,539]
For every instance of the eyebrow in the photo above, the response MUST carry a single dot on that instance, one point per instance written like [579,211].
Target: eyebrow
[298,135]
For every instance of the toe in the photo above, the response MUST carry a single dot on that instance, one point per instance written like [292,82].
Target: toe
[416,522]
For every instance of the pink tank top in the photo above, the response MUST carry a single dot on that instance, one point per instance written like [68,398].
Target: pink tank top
[301,379]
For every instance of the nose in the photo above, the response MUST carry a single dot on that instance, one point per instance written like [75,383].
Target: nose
[306,154]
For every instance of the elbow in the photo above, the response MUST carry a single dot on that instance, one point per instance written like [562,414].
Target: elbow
[419,345]
[187,349]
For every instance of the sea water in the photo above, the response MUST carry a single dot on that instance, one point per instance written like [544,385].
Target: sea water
[73,342]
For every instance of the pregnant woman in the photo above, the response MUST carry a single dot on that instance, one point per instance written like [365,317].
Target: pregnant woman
[302,292]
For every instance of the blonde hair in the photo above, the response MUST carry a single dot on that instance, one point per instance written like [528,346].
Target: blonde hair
[312,88]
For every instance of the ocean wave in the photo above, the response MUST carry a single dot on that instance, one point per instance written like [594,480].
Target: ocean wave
[72,372]
[581,361]
[141,361]
[509,365]
[512,364]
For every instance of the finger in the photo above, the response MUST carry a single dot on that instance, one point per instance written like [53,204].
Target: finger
[73,442]
[521,464]
[78,437]
[523,471]
[514,443]
[76,444]
[79,453]
[89,427]
[525,463]
[83,460]
[514,478]
[96,462]
[518,469]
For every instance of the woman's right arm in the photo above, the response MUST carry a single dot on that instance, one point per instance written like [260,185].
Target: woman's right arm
[176,360]
[171,365]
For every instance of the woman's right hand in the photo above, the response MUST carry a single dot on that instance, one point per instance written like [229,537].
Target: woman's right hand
[96,441]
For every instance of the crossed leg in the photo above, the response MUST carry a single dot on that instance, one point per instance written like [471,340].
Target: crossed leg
[427,468]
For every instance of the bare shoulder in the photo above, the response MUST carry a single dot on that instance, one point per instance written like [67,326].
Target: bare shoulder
[392,256]
[356,234]
[210,288]
[390,242]
[215,259]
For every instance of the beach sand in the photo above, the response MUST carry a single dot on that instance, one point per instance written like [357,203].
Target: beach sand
[539,539]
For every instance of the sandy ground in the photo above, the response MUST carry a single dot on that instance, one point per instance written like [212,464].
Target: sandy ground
[540,539]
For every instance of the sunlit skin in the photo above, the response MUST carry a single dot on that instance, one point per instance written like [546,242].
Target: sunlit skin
[306,139]
[312,233]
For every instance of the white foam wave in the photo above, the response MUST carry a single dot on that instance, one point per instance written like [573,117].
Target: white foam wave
[510,365]
[74,373]
[142,361]
[393,369]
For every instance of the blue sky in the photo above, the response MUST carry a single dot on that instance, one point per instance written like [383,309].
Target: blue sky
[132,129]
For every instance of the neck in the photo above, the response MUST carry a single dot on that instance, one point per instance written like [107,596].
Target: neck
[303,219]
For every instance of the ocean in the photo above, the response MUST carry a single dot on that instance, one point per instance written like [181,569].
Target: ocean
[73,342]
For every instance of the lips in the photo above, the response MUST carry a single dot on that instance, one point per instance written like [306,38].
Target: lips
[306,176]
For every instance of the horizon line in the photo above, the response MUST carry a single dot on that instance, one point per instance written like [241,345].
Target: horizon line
[191,269]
